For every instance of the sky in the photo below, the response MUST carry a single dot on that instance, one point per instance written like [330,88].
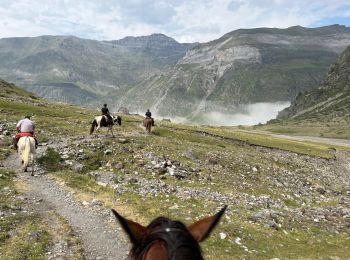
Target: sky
[183,20]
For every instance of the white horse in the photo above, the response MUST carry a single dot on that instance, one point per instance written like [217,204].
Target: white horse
[101,121]
[26,151]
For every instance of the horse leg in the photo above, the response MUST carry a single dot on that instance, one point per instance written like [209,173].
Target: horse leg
[32,164]
[96,130]
[112,131]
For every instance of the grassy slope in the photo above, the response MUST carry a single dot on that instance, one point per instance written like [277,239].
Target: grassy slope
[231,176]
[262,242]
[323,111]
[25,235]
[22,235]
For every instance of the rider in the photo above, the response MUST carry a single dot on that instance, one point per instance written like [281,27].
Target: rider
[149,115]
[24,127]
[105,112]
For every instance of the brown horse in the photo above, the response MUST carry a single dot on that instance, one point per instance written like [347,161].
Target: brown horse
[147,123]
[167,239]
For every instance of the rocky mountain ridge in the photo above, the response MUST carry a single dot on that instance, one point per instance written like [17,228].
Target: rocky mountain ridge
[173,79]
[46,65]
[330,101]
[244,66]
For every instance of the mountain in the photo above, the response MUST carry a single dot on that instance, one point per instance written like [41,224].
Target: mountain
[243,66]
[162,49]
[80,69]
[330,102]
[174,79]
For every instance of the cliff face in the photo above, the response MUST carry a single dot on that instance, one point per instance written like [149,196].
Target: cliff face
[330,101]
[244,66]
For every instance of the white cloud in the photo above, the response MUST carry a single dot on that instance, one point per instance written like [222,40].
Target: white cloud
[185,20]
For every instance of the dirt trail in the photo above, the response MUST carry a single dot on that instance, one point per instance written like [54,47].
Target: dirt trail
[98,233]
[331,141]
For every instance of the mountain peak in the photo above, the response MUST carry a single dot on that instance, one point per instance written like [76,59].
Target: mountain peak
[138,41]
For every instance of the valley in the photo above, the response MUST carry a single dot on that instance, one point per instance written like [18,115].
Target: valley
[180,80]
[287,198]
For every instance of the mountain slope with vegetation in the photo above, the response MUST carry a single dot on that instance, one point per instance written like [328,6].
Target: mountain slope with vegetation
[287,198]
[324,111]
[244,66]
[80,69]
[175,79]
[331,100]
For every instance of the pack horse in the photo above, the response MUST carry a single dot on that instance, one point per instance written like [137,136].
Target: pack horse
[103,121]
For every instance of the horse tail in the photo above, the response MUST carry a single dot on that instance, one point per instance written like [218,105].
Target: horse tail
[93,125]
[119,120]
[26,152]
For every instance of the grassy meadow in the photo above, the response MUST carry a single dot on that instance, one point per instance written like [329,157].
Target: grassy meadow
[228,166]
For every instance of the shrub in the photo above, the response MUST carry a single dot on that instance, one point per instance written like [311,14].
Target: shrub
[51,160]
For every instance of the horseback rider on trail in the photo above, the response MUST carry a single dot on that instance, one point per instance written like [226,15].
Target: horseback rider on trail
[24,127]
[105,112]
[149,115]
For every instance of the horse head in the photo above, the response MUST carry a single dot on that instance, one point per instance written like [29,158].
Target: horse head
[117,120]
[165,239]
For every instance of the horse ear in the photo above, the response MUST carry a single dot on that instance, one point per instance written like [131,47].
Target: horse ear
[202,228]
[134,230]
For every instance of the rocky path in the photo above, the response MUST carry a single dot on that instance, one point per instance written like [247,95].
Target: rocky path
[98,232]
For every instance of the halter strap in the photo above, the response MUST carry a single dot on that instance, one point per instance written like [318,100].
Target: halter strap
[158,230]
[167,230]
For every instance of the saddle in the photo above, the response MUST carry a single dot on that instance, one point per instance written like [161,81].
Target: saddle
[19,135]
[108,119]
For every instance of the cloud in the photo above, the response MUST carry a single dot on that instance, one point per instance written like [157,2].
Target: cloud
[250,114]
[185,20]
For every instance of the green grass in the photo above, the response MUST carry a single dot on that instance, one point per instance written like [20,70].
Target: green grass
[264,140]
[317,129]
[30,241]
[236,152]
[22,236]
[261,242]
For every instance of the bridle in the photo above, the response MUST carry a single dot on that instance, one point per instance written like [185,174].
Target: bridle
[158,231]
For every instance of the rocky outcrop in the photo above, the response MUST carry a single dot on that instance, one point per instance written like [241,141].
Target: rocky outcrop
[331,100]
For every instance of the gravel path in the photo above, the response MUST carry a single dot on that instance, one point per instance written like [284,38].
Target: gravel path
[100,239]
[331,141]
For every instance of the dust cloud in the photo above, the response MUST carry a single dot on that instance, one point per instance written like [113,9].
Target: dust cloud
[250,114]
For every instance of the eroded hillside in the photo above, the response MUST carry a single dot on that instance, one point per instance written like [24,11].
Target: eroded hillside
[244,66]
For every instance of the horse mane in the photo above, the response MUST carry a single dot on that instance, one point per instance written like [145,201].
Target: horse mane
[179,242]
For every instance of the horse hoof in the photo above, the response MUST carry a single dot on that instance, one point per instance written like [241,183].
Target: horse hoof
[25,170]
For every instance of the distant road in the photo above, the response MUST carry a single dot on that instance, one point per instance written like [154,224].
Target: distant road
[332,141]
